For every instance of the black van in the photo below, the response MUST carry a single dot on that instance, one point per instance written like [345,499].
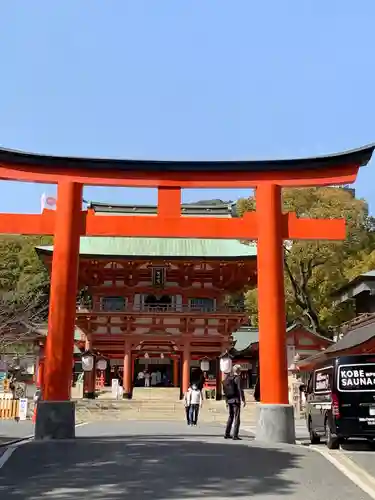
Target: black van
[340,400]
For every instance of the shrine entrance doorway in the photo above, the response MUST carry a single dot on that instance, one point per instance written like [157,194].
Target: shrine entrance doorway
[161,359]
[155,302]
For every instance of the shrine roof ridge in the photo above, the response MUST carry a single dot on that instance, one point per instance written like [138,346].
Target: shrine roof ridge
[360,156]
[170,248]
[199,208]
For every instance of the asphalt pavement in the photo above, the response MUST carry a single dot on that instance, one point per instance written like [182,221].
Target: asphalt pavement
[10,430]
[168,460]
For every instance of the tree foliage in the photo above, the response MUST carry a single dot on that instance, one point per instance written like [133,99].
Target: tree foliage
[315,269]
[24,289]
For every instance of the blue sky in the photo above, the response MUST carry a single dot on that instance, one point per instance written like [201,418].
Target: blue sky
[174,79]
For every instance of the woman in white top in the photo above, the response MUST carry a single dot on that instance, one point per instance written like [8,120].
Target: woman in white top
[195,403]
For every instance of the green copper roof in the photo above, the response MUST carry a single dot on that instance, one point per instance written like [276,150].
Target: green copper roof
[244,337]
[162,247]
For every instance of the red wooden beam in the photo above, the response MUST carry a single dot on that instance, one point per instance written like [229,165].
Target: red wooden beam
[342,174]
[28,223]
[244,228]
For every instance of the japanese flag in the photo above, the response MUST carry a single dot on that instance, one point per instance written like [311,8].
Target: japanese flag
[47,202]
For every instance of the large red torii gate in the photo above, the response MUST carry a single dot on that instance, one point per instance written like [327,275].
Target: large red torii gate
[268,225]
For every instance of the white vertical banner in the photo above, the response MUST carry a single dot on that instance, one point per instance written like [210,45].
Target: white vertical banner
[115,388]
[47,202]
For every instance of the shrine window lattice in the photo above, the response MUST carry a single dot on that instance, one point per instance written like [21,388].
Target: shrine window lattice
[113,303]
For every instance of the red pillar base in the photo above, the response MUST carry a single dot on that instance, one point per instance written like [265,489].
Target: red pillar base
[55,420]
[275,424]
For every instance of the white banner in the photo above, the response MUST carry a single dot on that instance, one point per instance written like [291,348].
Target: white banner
[47,202]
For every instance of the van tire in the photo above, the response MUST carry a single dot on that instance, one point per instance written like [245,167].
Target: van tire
[333,442]
[314,439]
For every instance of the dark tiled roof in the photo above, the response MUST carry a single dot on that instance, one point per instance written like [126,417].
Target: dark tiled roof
[362,282]
[201,208]
[360,157]
[354,338]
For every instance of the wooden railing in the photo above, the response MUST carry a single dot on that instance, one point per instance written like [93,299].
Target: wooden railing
[9,407]
[166,308]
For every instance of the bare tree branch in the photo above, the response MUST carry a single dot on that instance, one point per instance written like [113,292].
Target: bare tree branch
[20,322]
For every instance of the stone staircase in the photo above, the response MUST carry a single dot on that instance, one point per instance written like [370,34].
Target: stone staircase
[160,404]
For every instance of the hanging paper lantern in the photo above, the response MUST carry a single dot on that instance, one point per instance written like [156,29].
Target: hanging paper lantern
[87,362]
[225,364]
[146,355]
[161,356]
[205,365]
[101,364]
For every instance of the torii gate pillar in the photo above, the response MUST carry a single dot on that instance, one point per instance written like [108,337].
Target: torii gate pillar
[56,413]
[276,417]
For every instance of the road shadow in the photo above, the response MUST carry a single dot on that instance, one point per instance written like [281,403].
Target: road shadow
[146,467]
[357,445]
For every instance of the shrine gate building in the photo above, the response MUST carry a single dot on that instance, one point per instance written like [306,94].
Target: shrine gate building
[161,303]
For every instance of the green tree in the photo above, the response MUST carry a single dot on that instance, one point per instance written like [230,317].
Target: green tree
[314,269]
[24,290]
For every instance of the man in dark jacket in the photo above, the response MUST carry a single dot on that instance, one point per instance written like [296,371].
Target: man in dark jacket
[234,395]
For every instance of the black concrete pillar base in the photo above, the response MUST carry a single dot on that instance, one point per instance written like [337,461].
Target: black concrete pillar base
[127,395]
[89,395]
[275,424]
[55,420]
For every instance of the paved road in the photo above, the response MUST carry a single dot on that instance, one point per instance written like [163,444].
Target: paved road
[11,430]
[156,460]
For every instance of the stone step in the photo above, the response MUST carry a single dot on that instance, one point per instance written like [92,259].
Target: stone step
[178,415]
[127,410]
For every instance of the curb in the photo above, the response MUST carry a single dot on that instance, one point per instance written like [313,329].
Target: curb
[29,438]
[16,441]
[350,469]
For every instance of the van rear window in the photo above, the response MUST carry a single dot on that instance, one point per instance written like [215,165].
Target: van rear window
[356,378]
[323,380]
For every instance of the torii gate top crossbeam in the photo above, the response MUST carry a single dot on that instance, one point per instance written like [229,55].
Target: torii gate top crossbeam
[339,168]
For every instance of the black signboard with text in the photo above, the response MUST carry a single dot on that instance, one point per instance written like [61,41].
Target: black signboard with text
[158,276]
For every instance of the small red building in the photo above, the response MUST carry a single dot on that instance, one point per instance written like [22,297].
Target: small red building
[301,342]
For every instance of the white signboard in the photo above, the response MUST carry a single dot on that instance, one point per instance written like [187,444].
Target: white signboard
[22,409]
[115,388]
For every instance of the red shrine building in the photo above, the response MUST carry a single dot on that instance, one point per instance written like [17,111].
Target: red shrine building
[146,302]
